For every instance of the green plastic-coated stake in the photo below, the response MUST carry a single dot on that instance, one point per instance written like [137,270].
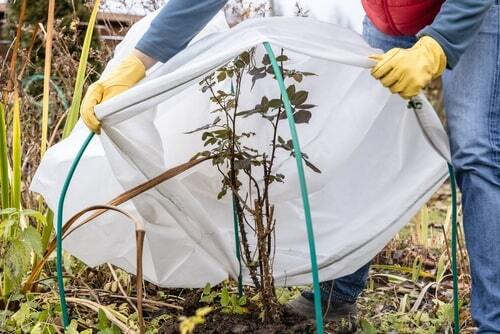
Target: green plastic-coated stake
[237,243]
[60,208]
[454,241]
[236,232]
[303,187]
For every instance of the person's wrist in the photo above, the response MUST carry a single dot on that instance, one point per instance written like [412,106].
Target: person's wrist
[146,60]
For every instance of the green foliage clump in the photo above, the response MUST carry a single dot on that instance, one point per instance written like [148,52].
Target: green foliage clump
[18,244]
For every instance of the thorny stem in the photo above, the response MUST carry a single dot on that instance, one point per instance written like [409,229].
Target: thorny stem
[256,184]
[218,101]
[241,214]
[267,173]
[235,192]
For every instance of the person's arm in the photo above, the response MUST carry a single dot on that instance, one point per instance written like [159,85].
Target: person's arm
[456,25]
[170,32]
[407,71]
[176,25]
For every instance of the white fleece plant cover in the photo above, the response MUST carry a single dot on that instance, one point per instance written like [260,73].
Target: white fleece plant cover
[377,165]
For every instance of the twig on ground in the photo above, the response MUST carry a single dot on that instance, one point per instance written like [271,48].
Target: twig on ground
[120,286]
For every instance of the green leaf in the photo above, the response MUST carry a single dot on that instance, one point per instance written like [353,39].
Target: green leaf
[37,215]
[275,103]
[306,106]
[282,58]
[302,116]
[16,155]
[112,330]
[221,76]
[17,260]
[298,77]
[32,239]
[207,289]
[264,104]
[256,70]
[257,77]
[224,297]
[311,166]
[201,128]
[72,328]
[102,320]
[8,211]
[367,327]
[299,97]
[211,141]
[245,57]
[22,314]
[239,63]
[290,91]
[222,193]
[4,161]
[38,328]
[265,60]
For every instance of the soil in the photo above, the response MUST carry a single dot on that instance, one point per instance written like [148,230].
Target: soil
[223,323]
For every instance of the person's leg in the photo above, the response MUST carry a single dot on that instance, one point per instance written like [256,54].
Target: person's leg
[472,101]
[344,289]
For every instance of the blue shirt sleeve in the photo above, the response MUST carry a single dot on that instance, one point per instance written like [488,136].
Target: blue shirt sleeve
[176,25]
[456,25]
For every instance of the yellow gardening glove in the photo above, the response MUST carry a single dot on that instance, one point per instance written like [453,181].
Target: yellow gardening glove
[126,74]
[407,71]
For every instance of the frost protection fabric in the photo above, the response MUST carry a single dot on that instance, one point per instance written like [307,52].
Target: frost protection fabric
[379,162]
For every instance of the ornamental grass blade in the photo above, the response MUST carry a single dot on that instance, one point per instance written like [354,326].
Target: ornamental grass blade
[16,155]
[74,110]
[4,160]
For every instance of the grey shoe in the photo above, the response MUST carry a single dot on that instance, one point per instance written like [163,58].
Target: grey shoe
[336,310]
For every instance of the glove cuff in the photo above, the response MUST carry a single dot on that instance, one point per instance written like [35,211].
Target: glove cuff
[130,71]
[436,53]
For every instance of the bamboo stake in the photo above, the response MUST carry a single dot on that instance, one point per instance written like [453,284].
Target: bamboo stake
[46,76]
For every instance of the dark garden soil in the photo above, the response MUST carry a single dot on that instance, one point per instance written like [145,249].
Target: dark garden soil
[221,323]
[218,322]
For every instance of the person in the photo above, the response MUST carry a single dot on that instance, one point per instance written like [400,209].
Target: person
[421,39]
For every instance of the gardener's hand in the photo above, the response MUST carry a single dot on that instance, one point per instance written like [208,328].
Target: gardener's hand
[126,74]
[407,71]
